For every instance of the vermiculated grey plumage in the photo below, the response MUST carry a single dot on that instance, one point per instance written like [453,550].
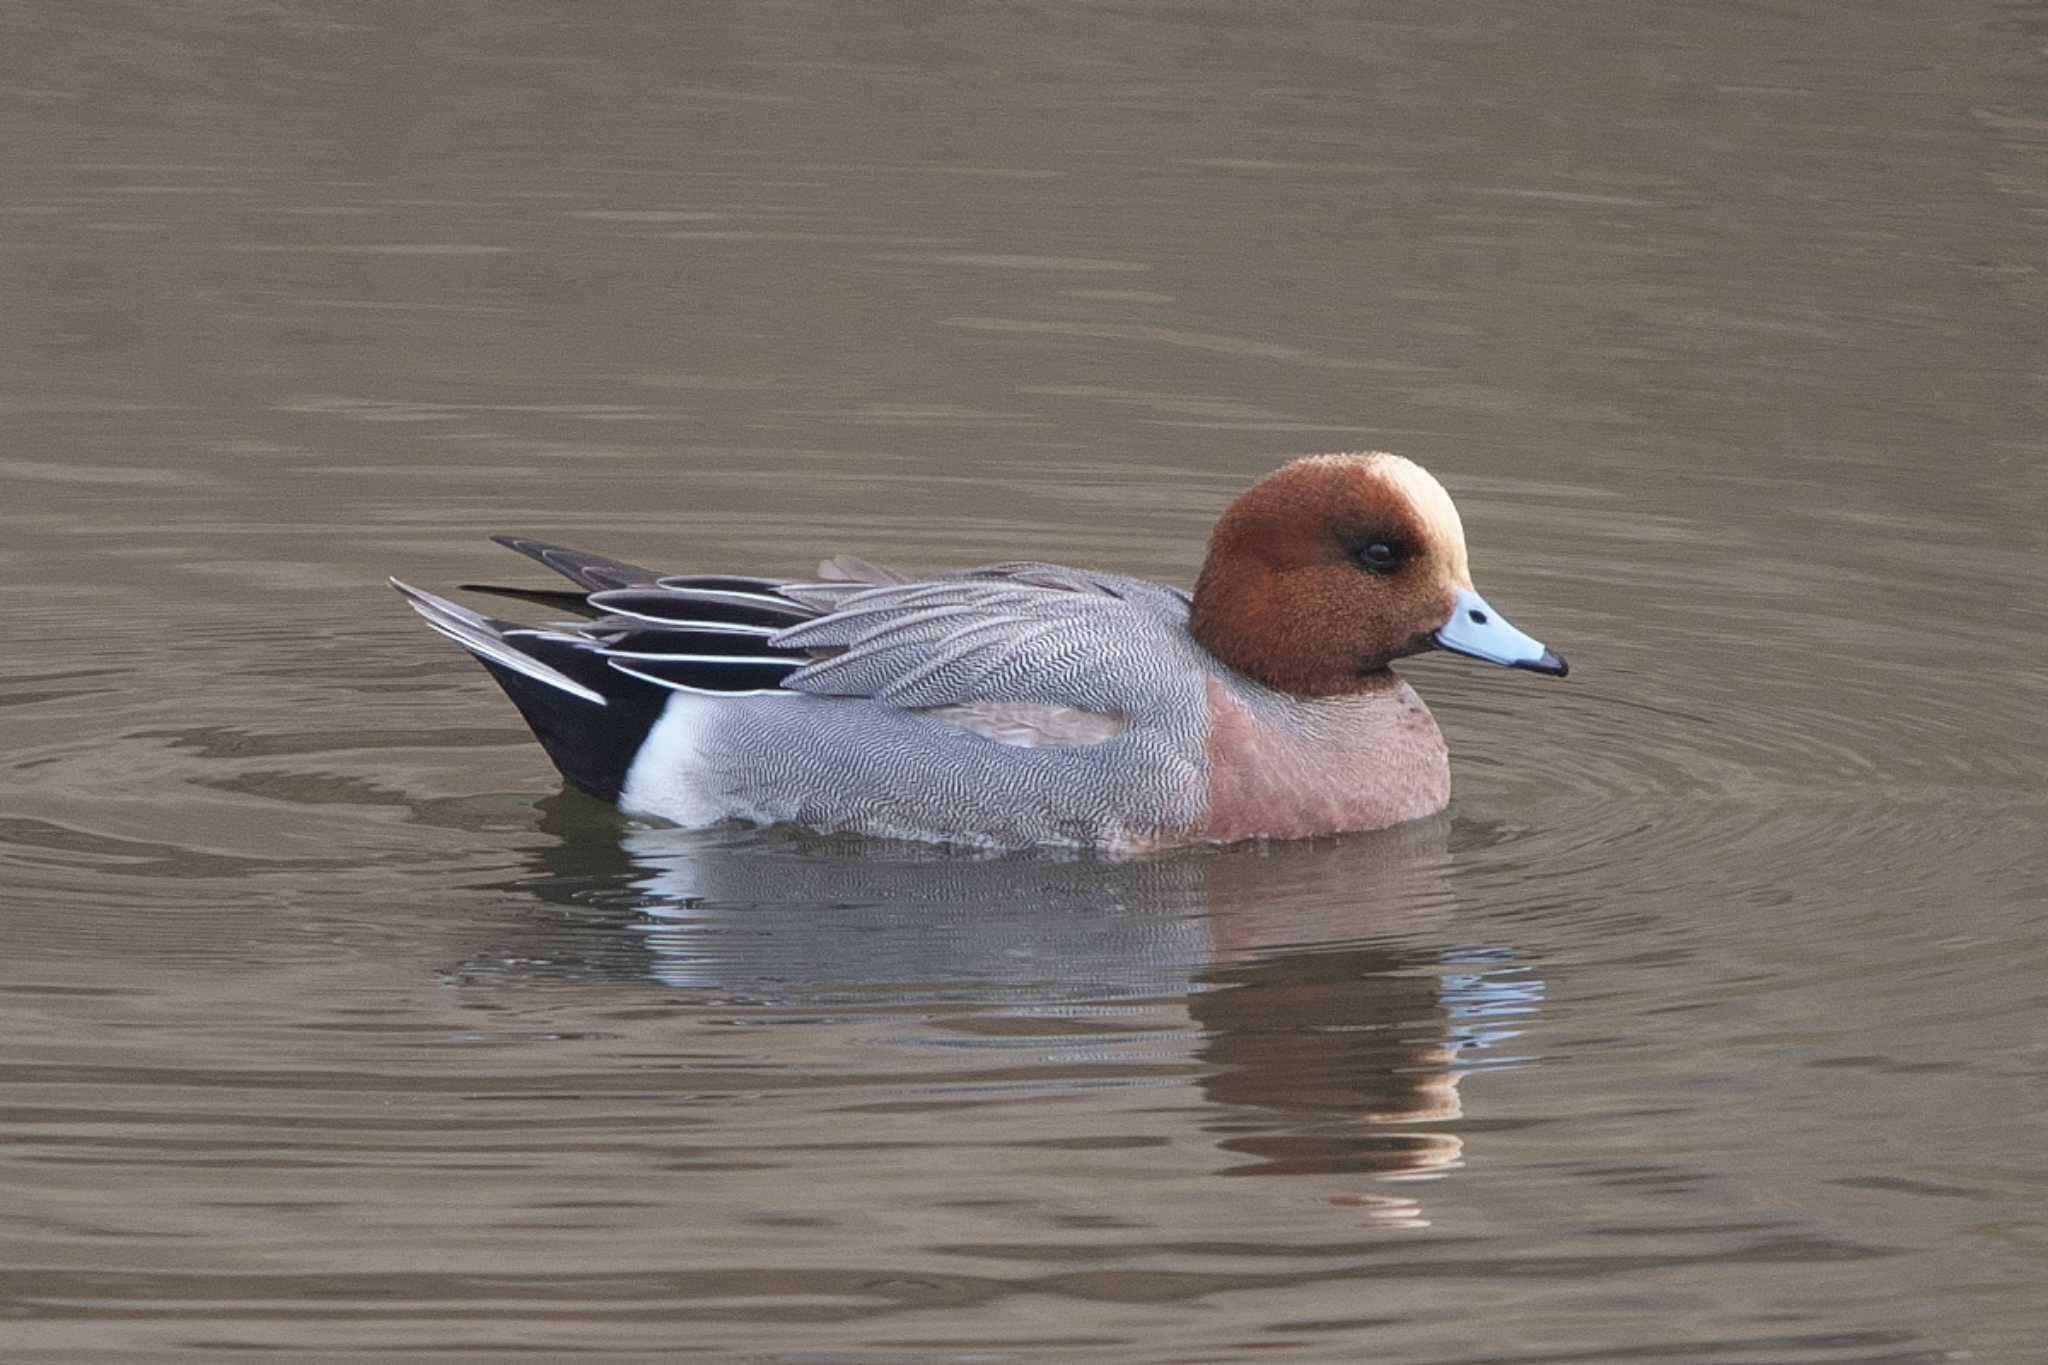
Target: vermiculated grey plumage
[912,675]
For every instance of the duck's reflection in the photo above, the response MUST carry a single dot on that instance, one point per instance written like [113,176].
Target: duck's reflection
[1332,1020]
[1344,1054]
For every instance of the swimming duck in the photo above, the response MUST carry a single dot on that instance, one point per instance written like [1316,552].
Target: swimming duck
[1024,703]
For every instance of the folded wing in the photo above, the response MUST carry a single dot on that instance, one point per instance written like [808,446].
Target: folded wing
[986,638]
[996,645]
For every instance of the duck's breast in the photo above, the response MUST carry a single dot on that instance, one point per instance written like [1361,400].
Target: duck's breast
[1288,768]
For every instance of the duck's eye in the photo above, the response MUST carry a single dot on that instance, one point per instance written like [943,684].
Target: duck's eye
[1379,557]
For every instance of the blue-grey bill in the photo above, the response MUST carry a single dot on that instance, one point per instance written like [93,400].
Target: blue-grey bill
[1478,630]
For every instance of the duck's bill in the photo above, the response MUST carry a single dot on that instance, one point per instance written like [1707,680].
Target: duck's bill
[1478,630]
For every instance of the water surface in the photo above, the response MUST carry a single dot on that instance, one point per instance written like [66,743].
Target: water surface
[1706,1026]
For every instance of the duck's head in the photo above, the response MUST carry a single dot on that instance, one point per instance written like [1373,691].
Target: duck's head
[1332,567]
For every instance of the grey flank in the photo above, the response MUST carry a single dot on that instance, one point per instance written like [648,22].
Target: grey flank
[868,701]
[870,745]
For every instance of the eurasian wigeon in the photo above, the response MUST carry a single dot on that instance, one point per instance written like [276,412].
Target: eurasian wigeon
[1025,703]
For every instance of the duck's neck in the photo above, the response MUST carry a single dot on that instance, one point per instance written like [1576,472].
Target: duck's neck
[1265,637]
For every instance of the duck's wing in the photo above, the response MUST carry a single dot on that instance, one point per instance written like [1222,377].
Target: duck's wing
[689,632]
[1006,655]
[1169,601]
[843,576]
[996,639]
[1005,633]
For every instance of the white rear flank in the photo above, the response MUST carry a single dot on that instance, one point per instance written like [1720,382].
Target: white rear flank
[667,776]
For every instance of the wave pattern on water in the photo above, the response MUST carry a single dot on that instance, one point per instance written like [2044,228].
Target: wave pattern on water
[1705,1026]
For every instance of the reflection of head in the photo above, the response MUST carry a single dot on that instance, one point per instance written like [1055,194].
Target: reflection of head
[1335,1052]
[1331,1052]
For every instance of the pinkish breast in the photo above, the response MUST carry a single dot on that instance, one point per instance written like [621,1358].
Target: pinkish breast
[1287,769]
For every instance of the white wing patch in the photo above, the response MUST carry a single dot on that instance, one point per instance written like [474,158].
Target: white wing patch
[1031,724]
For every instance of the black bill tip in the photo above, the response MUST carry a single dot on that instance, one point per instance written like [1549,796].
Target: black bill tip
[1550,663]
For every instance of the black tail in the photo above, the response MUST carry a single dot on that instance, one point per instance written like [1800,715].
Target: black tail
[592,573]
[590,717]
[593,751]
[591,690]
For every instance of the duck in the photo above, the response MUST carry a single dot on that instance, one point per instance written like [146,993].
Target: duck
[1023,703]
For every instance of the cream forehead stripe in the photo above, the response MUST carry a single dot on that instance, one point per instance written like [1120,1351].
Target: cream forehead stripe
[1433,506]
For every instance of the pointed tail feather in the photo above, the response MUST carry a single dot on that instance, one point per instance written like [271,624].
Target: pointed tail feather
[571,600]
[591,572]
[590,717]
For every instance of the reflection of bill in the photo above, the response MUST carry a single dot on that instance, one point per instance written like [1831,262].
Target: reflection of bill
[1332,1022]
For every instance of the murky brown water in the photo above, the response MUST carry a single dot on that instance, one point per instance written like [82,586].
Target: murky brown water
[1708,1026]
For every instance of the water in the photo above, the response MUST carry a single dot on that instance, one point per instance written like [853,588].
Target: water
[1707,1026]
